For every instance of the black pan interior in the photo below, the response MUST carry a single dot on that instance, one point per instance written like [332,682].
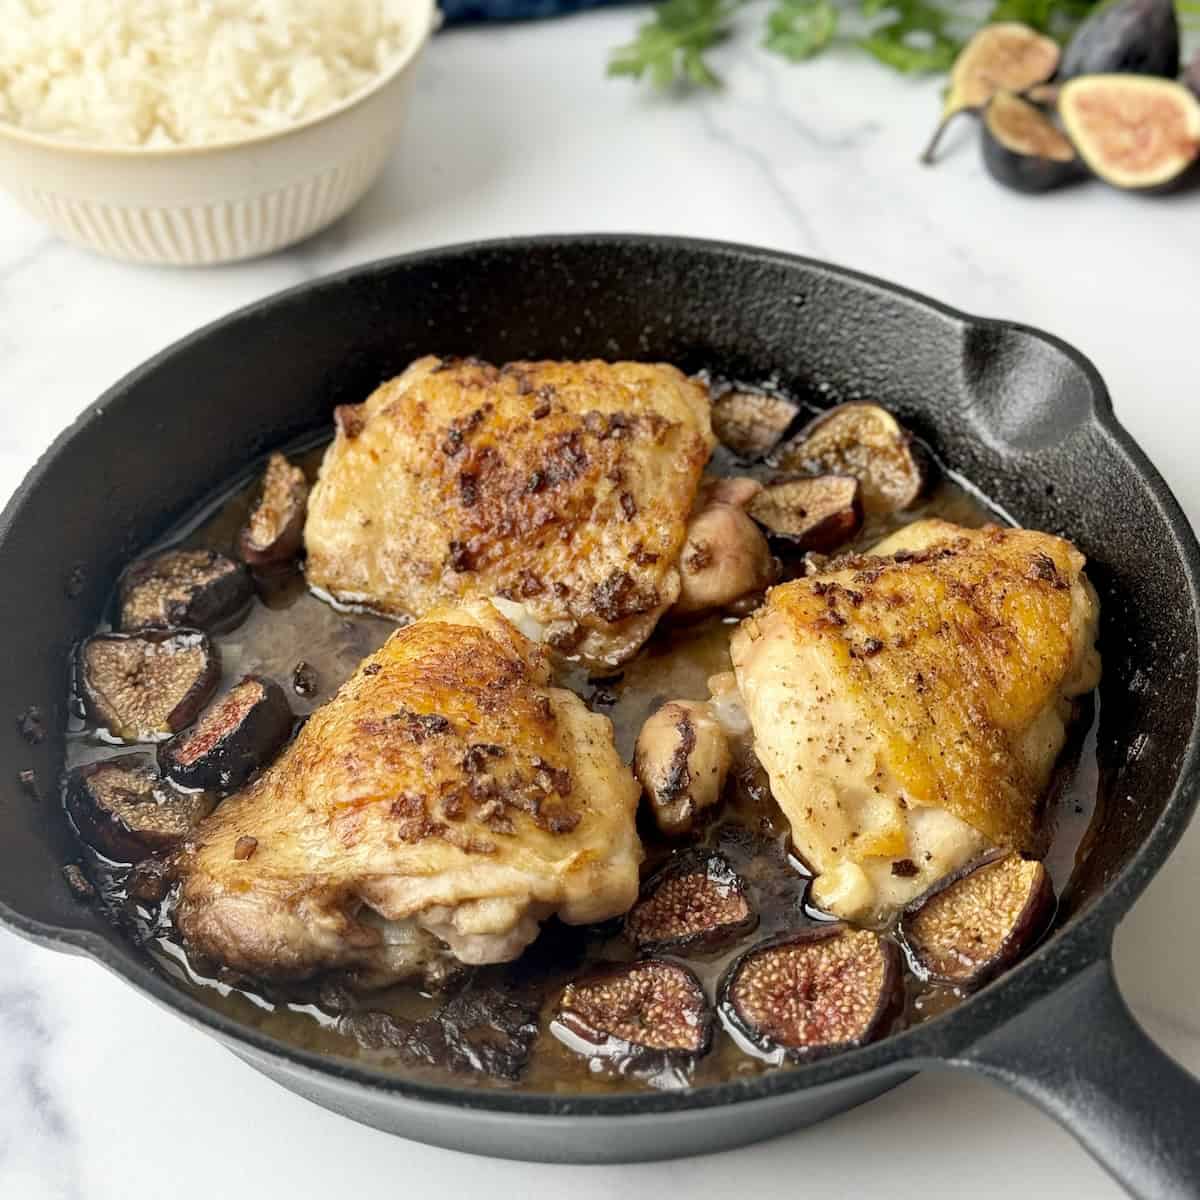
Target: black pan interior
[1021,415]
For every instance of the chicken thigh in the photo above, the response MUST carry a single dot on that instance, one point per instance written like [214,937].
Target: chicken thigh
[909,705]
[566,486]
[446,790]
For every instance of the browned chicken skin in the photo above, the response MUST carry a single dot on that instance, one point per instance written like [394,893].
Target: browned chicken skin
[909,705]
[447,789]
[565,486]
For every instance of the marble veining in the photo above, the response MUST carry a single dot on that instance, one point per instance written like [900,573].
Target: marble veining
[515,130]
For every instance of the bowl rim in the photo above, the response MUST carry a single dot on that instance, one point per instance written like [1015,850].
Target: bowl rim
[424,28]
[942,1039]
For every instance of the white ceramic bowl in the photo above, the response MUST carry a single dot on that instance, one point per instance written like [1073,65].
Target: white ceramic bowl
[199,205]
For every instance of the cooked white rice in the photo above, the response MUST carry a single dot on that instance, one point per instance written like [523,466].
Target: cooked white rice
[186,72]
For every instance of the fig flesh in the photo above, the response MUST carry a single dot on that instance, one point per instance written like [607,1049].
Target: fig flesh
[647,1014]
[697,903]
[1133,131]
[807,994]
[1131,37]
[237,736]
[972,925]
[1023,149]
[865,441]
[818,513]
[1006,54]
[124,809]
[274,530]
[145,686]
[200,589]
[752,423]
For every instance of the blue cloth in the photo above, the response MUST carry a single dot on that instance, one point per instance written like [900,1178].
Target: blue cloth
[514,10]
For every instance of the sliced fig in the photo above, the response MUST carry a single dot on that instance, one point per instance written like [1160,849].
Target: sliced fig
[681,760]
[238,735]
[143,687]
[647,1013]
[274,530]
[697,903]
[752,423]
[125,810]
[1006,54]
[81,887]
[863,440]
[199,589]
[1130,37]
[818,513]
[968,927]
[1133,131]
[1023,149]
[810,993]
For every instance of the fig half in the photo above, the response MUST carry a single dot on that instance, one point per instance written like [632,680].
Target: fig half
[972,925]
[1023,149]
[122,808]
[697,903]
[647,1014]
[237,736]
[144,686]
[1131,37]
[818,513]
[806,994]
[274,530]
[1006,54]
[865,441]
[752,423]
[200,589]
[1133,131]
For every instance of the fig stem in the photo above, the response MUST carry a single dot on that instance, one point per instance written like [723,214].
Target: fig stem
[929,154]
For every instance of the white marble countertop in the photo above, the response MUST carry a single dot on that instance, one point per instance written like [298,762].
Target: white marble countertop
[516,131]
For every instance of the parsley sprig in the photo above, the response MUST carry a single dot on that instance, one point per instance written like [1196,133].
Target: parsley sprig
[670,47]
[913,36]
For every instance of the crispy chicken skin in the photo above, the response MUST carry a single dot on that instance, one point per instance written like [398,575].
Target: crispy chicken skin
[445,789]
[909,705]
[565,486]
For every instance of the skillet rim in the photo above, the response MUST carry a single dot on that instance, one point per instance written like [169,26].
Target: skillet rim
[1066,952]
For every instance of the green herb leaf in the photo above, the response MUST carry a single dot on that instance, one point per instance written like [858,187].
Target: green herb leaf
[907,35]
[798,29]
[914,37]
[670,47]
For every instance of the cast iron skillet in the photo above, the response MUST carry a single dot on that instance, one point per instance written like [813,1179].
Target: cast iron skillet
[1021,414]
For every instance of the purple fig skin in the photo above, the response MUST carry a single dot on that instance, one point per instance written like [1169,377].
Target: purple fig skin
[1030,173]
[1132,37]
[196,589]
[1030,923]
[122,808]
[828,513]
[713,876]
[675,994]
[802,1045]
[132,726]
[241,733]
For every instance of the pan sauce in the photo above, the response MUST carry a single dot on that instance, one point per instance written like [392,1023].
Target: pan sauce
[288,626]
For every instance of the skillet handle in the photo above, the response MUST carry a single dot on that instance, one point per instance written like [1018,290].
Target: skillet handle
[1080,1056]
